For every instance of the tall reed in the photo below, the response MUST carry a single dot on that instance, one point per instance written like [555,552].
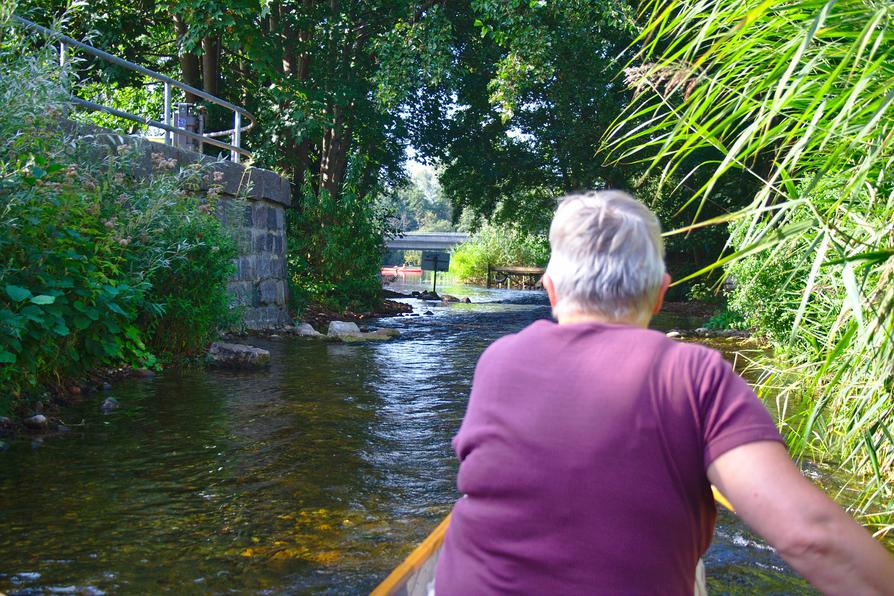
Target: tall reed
[800,94]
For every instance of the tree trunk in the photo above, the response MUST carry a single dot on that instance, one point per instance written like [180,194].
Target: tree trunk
[295,63]
[189,62]
[334,153]
[211,64]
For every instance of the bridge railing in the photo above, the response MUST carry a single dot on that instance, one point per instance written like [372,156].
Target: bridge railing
[168,123]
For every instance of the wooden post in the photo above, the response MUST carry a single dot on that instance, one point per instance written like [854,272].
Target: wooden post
[488,275]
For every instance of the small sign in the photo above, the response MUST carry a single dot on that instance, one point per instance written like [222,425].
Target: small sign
[435,261]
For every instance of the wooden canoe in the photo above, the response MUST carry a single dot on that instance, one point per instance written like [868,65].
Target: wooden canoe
[413,575]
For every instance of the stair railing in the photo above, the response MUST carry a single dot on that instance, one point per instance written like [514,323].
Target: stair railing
[168,124]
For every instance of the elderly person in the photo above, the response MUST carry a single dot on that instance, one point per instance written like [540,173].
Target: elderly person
[589,446]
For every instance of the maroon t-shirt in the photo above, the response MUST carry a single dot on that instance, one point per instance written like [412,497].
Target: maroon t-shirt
[583,454]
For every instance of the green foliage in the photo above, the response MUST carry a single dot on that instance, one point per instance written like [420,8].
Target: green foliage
[497,246]
[700,292]
[726,319]
[96,267]
[419,205]
[143,98]
[537,83]
[795,95]
[191,286]
[336,247]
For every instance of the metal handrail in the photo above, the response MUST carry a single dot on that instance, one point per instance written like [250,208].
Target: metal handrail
[238,112]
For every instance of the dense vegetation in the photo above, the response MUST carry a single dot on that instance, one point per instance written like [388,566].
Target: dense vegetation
[497,246]
[98,267]
[797,96]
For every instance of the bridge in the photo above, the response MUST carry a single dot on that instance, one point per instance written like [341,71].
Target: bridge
[427,241]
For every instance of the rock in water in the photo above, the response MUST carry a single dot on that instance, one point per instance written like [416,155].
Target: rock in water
[376,335]
[449,298]
[305,330]
[237,356]
[342,328]
[109,404]
[38,422]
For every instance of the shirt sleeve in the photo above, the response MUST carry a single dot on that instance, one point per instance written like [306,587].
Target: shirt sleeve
[732,415]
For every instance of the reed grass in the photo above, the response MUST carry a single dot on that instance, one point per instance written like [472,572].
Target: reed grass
[800,94]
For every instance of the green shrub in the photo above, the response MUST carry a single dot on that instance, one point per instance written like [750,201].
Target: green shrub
[97,267]
[497,246]
[769,286]
[190,283]
[726,319]
[336,247]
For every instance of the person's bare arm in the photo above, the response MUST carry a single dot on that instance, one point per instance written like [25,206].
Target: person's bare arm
[809,530]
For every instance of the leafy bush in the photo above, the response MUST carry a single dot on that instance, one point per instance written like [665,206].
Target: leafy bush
[497,246]
[336,247]
[97,267]
[726,319]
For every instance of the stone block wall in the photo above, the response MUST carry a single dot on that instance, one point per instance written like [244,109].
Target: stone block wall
[259,285]
[253,204]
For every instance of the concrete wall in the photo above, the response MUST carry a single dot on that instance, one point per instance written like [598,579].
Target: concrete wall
[253,204]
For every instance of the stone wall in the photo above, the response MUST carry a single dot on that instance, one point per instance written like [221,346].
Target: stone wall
[259,285]
[253,205]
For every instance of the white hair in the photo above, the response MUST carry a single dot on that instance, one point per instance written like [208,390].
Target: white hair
[607,255]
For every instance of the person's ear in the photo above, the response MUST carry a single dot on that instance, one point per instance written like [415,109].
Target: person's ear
[550,288]
[659,301]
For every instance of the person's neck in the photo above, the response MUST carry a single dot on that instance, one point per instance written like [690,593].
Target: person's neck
[581,317]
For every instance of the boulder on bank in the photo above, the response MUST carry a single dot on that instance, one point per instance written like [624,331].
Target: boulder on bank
[342,328]
[38,422]
[227,355]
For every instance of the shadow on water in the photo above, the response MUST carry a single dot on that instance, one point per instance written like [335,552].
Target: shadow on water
[317,476]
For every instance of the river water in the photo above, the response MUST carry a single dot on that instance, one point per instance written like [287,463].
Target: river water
[316,477]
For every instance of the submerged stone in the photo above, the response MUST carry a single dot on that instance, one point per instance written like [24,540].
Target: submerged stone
[377,335]
[38,422]
[228,355]
[306,330]
[109,404]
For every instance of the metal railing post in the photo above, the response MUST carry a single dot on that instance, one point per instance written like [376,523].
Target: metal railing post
[62,54]
[237,136]
[167,114]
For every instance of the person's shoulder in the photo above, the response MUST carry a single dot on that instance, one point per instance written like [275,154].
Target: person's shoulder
[514,341]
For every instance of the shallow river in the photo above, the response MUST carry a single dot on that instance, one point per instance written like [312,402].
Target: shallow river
[316,477]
